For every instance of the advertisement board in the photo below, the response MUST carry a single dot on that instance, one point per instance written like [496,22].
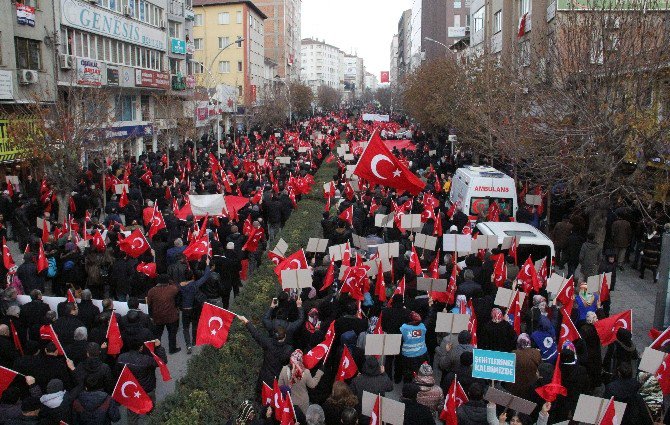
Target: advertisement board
[6,85]
[89,72]
[177,46]
[153,79]
[25,15]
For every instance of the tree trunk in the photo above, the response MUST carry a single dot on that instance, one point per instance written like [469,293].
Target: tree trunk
[597,220]
[63,205]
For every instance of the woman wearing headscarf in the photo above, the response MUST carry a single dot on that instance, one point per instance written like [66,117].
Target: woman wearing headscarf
[297,377]
[585,302]
[461,305]
[593,359]
[527,361]
[544,338]
[498,334]
[246,415]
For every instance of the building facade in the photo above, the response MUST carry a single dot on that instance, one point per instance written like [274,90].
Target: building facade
[404,43]
[282,35]
[393,66]
[321,64]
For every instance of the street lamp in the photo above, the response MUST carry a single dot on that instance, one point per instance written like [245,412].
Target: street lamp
[437,42]
[288,97]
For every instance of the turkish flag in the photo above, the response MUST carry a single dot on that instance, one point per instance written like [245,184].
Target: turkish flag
[157,223]
[165,372]
[347,215]
[123,201]
[148,269]
[15,337]
[399,290]
[375,418]
[384,77]
[98,242]
[255,237]
[129,393]
[198,248]
[72,205]
[437,227]
[513,250]
[146,177]
[42,262]
[434,268]
[213,326]
[348,368]
[6,378]
[453,400]
[330,276]
[70,296]
[415,263]
[348,191]
[47,332]
[661,339]
[604,289]
[608,327]
[320,352]
[500,271]
[663,375]
[7,259]
[295,261]
[472,324]
[346,255]
[287,411]
[45,232]
[427,214]
[566,295]
[114,341]
[266,394]
[392,173]
[327,207]
[275,258]
[380,285]
[515,310]
[528,276]
[609,417]
[246,228]
[568,331]
[134,244]
[550,391]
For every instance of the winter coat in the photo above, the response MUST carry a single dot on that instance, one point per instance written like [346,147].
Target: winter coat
[87,313]
[573,248]
[94,408]
[589,258]
[371,379]
[622,233]
[275,354]
[393,317]
[452,358]
[472,413]
[418,414]
[575,379]
[497,336]
[65,326]
[56,407]
[561,234]
[618,353]
[161,303]
[527,361]
[593,362]
[430,395]
[651,252]
[30,279]
[627,391]
[142,365]
[299,394]
[95,366]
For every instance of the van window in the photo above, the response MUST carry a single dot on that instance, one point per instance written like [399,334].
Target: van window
[538,252]
[481,205]
[519,233]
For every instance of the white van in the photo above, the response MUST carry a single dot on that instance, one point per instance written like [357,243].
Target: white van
[474,188]
[530,241]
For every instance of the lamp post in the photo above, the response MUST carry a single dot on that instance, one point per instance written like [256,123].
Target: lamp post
[437,42]
[288,97]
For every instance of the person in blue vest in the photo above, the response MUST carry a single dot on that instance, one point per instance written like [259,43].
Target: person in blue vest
[585,302]
[544,339]
[413,350]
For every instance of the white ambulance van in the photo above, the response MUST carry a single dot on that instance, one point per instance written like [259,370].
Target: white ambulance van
[474,188]
[530,241]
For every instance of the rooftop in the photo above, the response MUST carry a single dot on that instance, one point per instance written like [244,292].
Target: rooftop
[249,4]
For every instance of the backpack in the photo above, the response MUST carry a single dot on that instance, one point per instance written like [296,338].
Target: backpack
[53,269]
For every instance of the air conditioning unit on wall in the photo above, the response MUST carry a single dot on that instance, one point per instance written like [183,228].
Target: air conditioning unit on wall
[65,61]
[27,76]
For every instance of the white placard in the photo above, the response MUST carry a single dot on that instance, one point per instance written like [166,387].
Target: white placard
[591,409]
[391,411]
[202,205]
[452,323]
[504,297]
[458,243]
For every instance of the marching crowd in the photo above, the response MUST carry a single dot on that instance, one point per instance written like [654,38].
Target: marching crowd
[65,365]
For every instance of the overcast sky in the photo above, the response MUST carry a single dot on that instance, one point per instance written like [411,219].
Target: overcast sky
[364,27]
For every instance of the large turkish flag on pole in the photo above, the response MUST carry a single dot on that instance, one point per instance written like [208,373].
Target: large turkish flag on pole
[379,166]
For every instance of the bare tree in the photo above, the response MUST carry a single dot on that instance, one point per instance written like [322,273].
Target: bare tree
[301,98]
[329,99]
[272,109]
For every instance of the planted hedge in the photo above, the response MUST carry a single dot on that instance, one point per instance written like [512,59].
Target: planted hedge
[217,381]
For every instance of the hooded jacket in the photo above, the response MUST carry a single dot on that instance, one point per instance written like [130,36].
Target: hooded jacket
[95,366]
[472,413]
[371,379]
[56,407]
[95,408]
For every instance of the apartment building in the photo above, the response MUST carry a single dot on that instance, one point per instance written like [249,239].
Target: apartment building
[393,68]
[353,76]
[222,59]
[282,35]
[321,64]
[404,43]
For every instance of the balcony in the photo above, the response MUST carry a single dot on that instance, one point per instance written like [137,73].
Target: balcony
[178,82]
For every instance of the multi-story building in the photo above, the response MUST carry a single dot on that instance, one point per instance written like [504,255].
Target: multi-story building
[354,75]
[458,20]
[404,43]
[416,52]
[222,59]
[393,68]
[282,35]
[370,82]
[321,64]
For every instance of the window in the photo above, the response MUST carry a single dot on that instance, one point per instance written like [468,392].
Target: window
[175,66]
[239,66]
[239,16]
[239,90]
[197,43]
[497,22]
[145,107]
[124,108]
[198,68]
[478,18]
[457,20]
[32,3]
[174,29]
[239,42]
[224,18]
[28,55]
[224,67]
[457,4]
[223,42]
[198,20]
[524,7]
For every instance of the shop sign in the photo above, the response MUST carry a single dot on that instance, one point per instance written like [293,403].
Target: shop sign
[190,48]
[201,113]
[88,72]
[189,15]
[112,76]
[127,77]
[153,79]
[86,17]
[190,81]
[129,131]
[177,46]
[6,85]
[25,15]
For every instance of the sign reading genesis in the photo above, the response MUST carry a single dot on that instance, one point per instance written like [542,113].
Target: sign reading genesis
[77,14]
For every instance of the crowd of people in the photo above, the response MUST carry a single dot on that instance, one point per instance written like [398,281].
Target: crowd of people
[82,258]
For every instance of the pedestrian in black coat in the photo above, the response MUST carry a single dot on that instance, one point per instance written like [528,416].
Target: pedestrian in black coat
[28,275]
[415,413]
[625,389]
[276,352]
[33,314]
[66,324]
[87,310]
[94,366]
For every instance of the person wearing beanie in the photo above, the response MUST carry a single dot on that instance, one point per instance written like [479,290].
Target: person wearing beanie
[93,365]
[163,311]
[430,394]
[94,406]
[371,379]
[473,412]
[56,403]
[415,413]
[527,361]
[413,349]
